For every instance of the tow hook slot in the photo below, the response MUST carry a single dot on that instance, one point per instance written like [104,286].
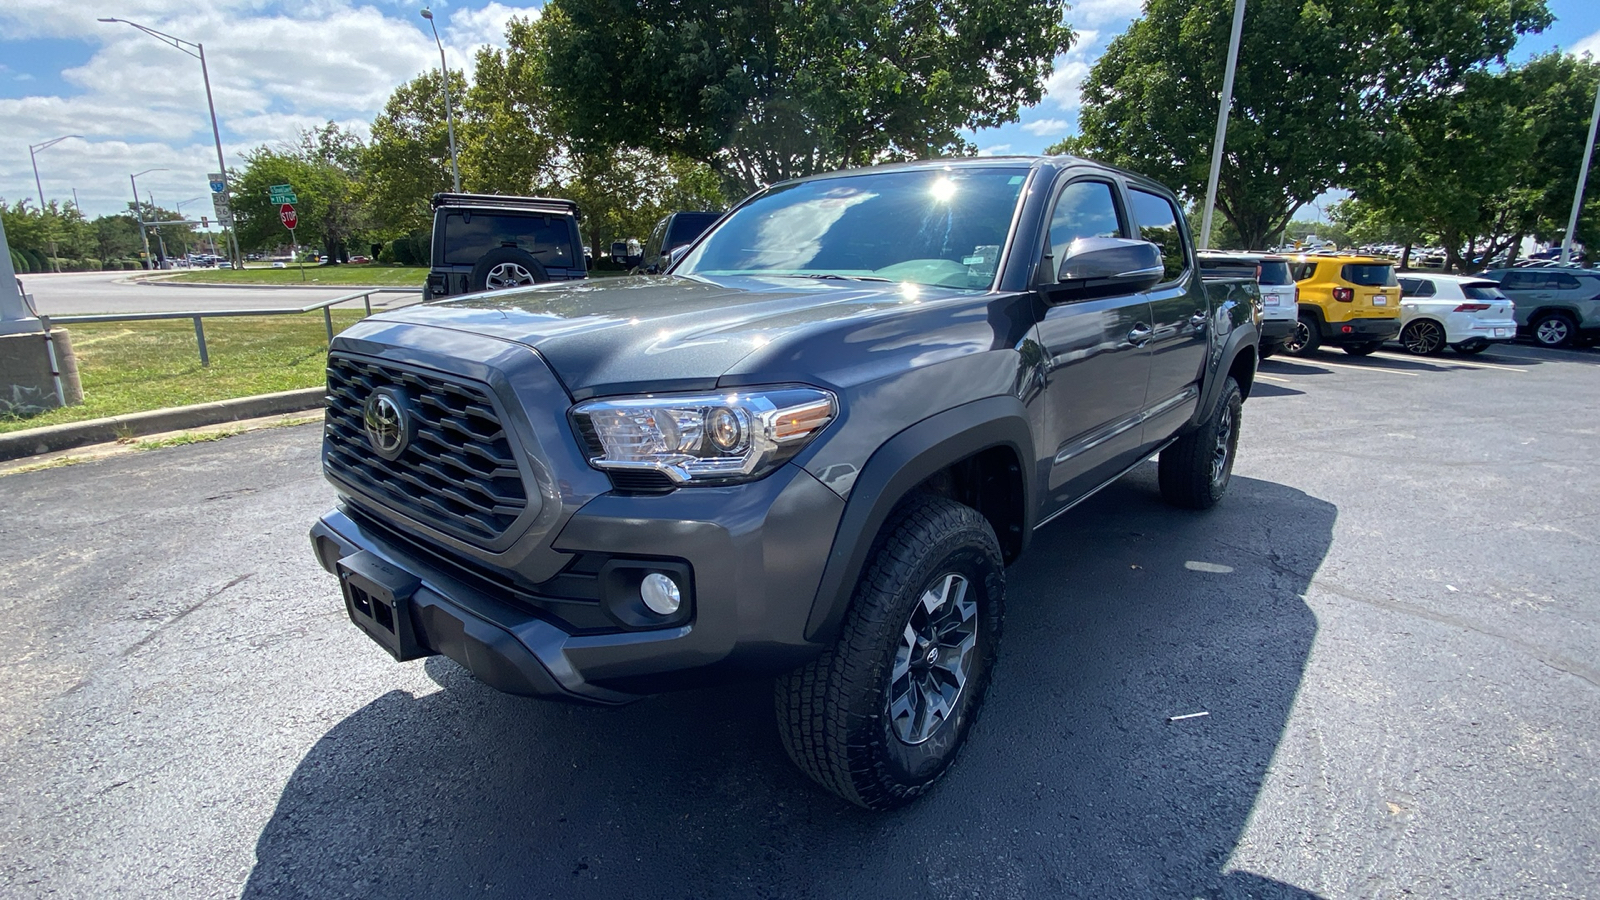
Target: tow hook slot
[377,596]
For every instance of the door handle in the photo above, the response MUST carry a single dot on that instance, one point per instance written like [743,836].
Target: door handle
[1198,320]
[1140,334]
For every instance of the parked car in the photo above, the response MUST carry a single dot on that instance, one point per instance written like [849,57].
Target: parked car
[675,230]
[1465,312]
[1279,295]
[488,242]
[1347,301]
[1556,306]
[809,451]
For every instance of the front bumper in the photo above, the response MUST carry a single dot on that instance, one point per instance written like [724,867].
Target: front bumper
[749,559]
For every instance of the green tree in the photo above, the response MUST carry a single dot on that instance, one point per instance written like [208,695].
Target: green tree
[508,144]
[1317,89]
[765,91]
[321,167]
[408,159]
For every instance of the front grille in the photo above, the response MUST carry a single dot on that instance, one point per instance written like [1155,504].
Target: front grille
[457,474]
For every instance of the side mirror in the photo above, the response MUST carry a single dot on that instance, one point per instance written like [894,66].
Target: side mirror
[1106,267]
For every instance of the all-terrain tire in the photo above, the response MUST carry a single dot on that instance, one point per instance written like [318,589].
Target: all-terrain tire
[1194,470]
[1306,337]
[835,715]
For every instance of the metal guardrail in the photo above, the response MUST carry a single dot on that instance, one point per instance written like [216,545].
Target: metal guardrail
[199,316]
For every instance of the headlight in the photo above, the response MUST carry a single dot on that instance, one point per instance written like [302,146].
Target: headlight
[704,438]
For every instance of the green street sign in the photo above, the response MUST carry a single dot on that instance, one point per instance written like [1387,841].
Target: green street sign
[282,193]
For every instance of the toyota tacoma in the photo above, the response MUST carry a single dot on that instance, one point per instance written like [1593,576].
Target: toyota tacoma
[808,450]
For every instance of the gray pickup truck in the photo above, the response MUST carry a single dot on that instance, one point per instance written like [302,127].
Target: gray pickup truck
[808,450]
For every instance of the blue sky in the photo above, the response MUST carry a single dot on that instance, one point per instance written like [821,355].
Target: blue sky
[277,67]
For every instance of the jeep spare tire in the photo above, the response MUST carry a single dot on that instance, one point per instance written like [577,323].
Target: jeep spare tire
[507,267]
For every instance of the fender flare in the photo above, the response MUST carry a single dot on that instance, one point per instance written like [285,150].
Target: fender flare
[1239,340]
[894,469]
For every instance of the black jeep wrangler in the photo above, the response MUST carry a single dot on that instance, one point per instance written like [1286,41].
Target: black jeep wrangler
[486,242]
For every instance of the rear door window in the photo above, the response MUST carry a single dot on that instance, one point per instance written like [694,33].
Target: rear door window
[1523,281]
[1563,282]
[469,235]
[1417,287]
[1369,274]
[1304,271]
[1158,223]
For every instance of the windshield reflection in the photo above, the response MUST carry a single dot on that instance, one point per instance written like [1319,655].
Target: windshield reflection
[939,227]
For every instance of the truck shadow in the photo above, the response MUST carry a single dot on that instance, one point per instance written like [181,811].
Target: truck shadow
[1074,783]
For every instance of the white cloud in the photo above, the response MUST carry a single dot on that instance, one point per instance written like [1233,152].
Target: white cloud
[1589,45]
[1098,12]
[141,104]
[996,150]
[1046,127]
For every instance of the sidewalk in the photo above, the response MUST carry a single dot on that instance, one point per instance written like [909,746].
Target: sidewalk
[54,438]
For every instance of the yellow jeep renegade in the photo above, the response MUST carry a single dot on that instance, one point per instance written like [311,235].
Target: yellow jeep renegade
[1348,301]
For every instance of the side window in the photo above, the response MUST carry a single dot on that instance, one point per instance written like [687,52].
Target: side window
[652,244]
[1520,281]
[1425,288]
[1304,271]
[1158,224]
[1084,209]
[1564,282]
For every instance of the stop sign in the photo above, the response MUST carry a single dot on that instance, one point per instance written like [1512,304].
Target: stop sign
[286,213]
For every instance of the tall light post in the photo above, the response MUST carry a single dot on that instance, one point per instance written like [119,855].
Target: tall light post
[33,150]
[138,215]
[198,51]
[1583,178]
[449,114]
[1222,125]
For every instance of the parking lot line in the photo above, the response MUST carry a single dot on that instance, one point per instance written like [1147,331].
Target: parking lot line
[1457,362]
[1275,378]
[1318,362]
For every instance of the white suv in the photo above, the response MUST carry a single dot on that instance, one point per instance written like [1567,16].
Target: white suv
[1280,296]
[1466,312]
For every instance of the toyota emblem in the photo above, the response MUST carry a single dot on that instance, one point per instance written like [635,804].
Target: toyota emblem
[388,426]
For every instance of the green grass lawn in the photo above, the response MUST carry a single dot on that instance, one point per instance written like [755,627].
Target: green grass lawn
[131,367]
[385,276]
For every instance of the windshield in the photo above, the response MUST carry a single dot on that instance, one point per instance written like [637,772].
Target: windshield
[941,227]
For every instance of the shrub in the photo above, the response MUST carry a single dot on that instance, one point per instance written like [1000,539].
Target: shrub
[19,263]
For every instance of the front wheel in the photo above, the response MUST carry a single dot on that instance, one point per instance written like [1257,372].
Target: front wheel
[1195,469]
[1365,348]
[880,716]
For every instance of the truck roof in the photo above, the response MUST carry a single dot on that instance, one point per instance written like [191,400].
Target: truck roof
[554,205]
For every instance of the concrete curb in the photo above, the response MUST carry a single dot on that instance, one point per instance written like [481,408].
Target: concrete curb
[346,288]
[34,441]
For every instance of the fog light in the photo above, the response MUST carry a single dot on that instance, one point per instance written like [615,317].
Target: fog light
[660,594]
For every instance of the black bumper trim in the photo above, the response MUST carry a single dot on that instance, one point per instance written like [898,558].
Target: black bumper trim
[1361,331]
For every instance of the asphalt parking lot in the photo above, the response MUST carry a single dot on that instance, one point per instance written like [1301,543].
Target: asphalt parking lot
[1392,623]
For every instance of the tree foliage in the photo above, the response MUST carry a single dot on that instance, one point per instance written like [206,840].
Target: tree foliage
[1317,89]
[1478,169]
[767,91]
[323,167]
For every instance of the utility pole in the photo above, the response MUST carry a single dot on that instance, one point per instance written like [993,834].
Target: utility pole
[138,215]
[449,116]
[1583,178]
[198,51]
[1222,126]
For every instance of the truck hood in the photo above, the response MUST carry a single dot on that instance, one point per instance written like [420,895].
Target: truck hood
[668,332]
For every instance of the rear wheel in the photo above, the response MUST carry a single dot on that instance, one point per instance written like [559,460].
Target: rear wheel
[1267,349]
[1423,337]
[1195,469]
[1365,348]
[1305,338]
[880,716]
[1554,330]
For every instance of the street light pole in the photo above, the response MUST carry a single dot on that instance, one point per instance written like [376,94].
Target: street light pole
[1222,125]
[1583,178]
[449,115]
[198,52]
[33,150]
[138,215]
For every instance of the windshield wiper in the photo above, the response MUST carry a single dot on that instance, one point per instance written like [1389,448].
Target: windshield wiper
[830,276]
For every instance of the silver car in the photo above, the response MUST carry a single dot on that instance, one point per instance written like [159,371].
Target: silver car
[1557,307]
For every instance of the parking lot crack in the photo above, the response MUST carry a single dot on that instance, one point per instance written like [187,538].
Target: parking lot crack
[184,614]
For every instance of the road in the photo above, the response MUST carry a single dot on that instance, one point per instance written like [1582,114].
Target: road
[116,292]
[1391,622]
